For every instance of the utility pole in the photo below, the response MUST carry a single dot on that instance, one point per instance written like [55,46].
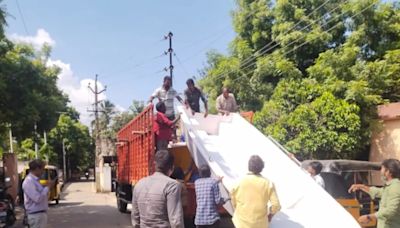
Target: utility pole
[45,137]
[11,140]
[64,162]
[170,51]
[99,164]
[36,145]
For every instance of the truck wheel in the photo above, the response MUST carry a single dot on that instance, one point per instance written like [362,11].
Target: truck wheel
[121,205]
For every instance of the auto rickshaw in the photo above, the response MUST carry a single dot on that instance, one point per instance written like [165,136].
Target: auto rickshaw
[339,175]
[50,173]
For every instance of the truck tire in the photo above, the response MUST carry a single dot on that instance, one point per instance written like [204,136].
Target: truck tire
[121,205]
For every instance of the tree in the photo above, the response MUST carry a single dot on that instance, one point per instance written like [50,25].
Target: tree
[316,83]
[78,144]
[29,93]
[28,88]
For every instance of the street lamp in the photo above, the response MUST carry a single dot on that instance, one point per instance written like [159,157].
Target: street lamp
[64,162]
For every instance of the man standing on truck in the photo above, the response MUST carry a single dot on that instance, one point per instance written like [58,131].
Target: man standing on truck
[389,207]
[252,197]
[208,198]
[163,127]
[193,96]
[226,102]
[167,94]
[156,199]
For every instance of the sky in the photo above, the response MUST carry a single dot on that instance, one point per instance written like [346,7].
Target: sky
[121,41]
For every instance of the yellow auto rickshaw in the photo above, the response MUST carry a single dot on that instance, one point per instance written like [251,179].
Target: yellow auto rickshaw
[339,175]
[50,173]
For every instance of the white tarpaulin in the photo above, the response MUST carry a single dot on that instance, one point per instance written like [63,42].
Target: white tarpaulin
[226,144]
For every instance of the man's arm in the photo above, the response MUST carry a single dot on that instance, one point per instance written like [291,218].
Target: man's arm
[275,204]
[170,123]
[374,192]
[135,216]
[233,197]
[217,195]
[235,106]
[186,102]
[219,106]
[180,99]
[174,205]
[154,95]
[33,194]
[203,98]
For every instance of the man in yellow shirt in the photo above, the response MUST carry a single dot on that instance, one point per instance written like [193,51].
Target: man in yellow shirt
[252,196]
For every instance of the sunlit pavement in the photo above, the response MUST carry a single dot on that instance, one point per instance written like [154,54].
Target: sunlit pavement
[81,206]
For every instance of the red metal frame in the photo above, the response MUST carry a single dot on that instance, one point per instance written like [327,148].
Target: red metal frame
[136,148]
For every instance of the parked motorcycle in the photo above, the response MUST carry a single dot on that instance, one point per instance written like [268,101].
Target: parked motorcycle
[7,207]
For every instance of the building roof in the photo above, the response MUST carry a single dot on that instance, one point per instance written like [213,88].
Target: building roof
[389,111]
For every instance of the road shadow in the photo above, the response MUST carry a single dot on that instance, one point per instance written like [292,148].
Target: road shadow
[65,204]
[282,220]
[78,215]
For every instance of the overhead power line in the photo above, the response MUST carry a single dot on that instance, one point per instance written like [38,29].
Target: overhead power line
[267,47]
[304,43]
[218,35]
[22,18]
[181,64]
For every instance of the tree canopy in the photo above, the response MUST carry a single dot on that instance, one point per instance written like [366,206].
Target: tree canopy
[313,71]
[29,96]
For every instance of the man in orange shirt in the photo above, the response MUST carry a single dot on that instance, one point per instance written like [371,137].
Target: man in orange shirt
[163,127]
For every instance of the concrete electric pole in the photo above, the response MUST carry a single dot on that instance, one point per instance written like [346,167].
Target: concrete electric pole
[170,51]
[36,144]
[99,158]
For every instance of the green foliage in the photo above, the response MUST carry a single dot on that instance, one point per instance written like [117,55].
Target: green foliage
[316,83]
[27,149]
[28,95]
[78,144]
[28,91]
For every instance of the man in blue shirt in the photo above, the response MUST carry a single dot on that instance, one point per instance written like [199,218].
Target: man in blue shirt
[208,198]
[35,195]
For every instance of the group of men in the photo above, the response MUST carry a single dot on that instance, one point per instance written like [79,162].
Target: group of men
[165,120]
[225,103]
[157,199]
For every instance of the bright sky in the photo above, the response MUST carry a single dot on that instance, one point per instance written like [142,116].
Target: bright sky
[120,40]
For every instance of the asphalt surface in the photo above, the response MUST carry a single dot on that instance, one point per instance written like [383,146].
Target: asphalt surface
[81,206]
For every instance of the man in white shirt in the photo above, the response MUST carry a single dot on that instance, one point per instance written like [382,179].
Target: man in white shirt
[226,102]
[166,94]
[314,168]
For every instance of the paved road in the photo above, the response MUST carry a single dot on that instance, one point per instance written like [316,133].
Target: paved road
[80,206]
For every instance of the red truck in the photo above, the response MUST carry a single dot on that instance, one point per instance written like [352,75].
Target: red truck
[135,152]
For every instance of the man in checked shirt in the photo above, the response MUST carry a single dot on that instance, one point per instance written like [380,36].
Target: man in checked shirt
[208,198]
